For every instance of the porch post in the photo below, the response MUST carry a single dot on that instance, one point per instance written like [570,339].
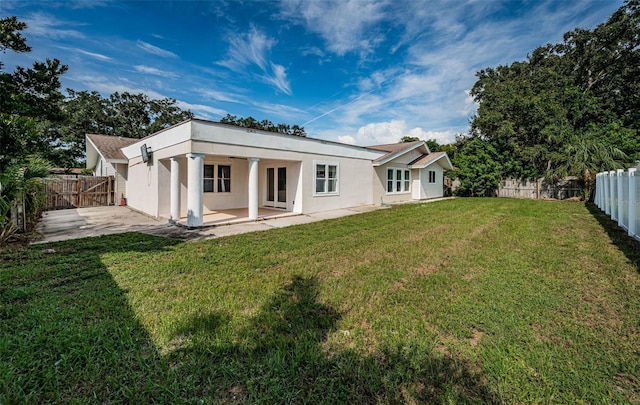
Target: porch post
[195,176]
[175,190]
[253,188]
[633,203]
[620,199]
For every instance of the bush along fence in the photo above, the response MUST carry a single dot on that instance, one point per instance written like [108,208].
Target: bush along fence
[618,195]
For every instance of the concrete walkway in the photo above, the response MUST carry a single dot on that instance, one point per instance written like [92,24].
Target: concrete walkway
[84,222]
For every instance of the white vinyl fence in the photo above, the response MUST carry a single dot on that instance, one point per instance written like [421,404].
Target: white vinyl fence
[618,195]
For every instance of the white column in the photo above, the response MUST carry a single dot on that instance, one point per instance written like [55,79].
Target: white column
[633,203]
[175,190]
[253,188]
[619,197]
[605,191]
[195,176]
[613,203]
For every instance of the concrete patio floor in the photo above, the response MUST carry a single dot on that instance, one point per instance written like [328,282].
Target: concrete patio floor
[85,222]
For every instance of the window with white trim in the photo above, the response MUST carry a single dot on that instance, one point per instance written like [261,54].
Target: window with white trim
[222,181]
[398,180]
[208,179]
[326,178]
[432,176]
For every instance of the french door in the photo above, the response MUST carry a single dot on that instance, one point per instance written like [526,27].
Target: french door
[277,187]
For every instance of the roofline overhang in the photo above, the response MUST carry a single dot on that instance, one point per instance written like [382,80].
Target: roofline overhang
[400,153]
[444,155]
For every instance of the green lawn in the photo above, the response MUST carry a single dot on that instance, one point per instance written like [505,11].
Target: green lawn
[459,301]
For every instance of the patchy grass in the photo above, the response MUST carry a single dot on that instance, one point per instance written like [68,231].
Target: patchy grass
[467,300]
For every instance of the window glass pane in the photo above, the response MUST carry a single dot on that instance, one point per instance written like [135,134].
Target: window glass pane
[390,186]
[208,185]
[208,171]
[321,171]
[333,172]
[407,182]
[270,184]
[398,180]
[224,172]
[333,185]
[282,184]
[389,174]
[224,185]
[320,185]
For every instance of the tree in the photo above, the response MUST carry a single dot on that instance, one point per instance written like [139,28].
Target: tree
[29,99]
[581,94]
[121,114]
[409,139]
[477,169]
[264,125]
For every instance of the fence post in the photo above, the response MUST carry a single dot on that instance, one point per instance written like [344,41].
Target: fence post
[620,197]
[605,192]
[633,203]
[613,194]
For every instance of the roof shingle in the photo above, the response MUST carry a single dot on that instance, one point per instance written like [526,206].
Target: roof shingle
[110,146]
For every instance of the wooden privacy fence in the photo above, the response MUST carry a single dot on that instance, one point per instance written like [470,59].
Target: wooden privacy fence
[539,189]
[77,192]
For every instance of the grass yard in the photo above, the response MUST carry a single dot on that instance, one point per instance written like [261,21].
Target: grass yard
[459,301]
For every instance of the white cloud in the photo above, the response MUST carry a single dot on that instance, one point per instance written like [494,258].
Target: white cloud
[153,71]
[246,49]
[348,139]
[221,96]
[155,50]
[346,26]
[381,133]
[279,79]
[44,25]
[251,48]
[202,111]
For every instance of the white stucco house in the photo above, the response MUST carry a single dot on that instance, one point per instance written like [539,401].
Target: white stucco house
[198,167]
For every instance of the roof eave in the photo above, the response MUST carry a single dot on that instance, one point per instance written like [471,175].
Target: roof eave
[400,153]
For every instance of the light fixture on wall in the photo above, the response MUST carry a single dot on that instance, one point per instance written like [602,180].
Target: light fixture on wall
[146,153]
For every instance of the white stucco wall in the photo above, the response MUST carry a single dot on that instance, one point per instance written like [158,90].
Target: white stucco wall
[142,187]
[432,190]
[380,194]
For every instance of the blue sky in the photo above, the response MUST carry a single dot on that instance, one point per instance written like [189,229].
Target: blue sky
[350,71]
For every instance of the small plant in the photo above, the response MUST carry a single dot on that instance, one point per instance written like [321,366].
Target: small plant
[7,227]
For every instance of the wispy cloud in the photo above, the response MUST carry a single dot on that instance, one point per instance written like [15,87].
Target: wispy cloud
[346,26]
[202,111]
[155,50]
[153,71]
[45,25]
[251,48]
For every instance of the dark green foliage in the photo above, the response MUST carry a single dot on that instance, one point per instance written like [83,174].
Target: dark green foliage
[121,114]
[477,170]
[579,95]
[30,101]
[264,125]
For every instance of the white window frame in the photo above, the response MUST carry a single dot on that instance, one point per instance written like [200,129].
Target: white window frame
[400,180]
[216,178]
[434,177]
[220,179]
[212,179]
[326,179]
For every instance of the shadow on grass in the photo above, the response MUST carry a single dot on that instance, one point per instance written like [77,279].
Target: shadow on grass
[619,237]
[68,334]
[281,359]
